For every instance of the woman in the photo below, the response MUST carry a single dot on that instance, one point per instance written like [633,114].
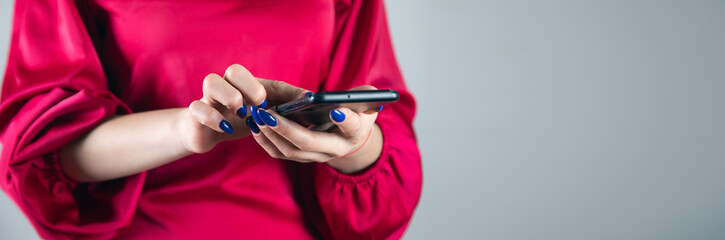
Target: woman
[115,125]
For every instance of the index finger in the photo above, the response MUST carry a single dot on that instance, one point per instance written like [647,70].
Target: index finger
[306,139]
[239,77]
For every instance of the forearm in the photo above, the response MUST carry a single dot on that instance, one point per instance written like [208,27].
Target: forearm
[125,145]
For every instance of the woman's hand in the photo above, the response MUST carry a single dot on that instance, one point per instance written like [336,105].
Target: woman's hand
[219,115]
[355,144]
[162,136]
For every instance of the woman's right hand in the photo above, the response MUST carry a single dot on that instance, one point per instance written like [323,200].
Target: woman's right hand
[219,115]
[166,135]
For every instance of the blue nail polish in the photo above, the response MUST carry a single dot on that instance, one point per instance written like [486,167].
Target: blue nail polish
[242,111]
[252,126]
[337,115]
[254,110]
[263,104]
[380,108]
[267,118]
[307,94]
[226,127]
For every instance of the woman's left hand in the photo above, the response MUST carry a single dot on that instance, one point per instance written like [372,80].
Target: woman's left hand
[354,145]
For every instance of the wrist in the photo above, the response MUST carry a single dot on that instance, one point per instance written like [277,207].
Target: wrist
[189,136]
[363,157]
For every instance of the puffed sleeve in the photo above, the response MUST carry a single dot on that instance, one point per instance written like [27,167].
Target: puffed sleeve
[54,91]
[378,202]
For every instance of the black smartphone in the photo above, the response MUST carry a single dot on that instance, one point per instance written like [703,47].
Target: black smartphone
[313,109]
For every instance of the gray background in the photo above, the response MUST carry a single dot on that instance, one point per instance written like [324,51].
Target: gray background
[557,119]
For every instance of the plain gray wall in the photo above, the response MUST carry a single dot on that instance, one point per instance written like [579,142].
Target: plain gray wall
[557,119]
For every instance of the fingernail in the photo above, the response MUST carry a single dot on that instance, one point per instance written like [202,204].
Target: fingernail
[380,108]
[307,94]
[267,118]
[242,111]
[254,110]
[226,127]
[263,104]
[337,115]
[252,126]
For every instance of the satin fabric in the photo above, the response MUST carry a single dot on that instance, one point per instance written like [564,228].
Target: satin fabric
[74,64]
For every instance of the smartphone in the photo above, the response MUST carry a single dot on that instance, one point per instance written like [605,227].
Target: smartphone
[313,109]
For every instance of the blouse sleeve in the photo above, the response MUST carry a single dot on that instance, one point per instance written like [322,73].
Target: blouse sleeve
[378,202]
[54,91]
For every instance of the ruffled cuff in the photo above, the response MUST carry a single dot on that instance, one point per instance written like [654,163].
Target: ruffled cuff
[55,204]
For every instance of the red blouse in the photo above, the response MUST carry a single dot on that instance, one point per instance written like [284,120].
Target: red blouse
[72,65]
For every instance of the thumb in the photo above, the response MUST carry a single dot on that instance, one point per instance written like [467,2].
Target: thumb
[352,124]
[369,109]
[363,87]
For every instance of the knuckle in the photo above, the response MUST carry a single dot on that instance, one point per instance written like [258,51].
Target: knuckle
[200,114]
[209,79]
[336,153]
[277,85]
[236,101]
[235,70]
[194,105]
[256,94]
[273,87]
[231,100]
[276,155]
[288,152]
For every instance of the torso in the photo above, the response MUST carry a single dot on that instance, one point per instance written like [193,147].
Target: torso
[156,54]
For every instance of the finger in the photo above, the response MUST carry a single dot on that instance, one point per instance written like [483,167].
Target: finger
[305,139]
[281,92]
[239,77]
[264,142]
[209,116]
[290,151]
[218,90]
[364,87]
[267,146]
[348,122]
[367,87]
